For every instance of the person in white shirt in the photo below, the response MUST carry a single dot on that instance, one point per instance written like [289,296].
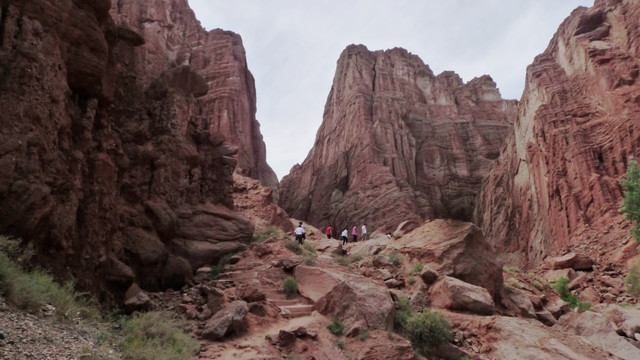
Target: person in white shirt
[299,231]
[345,233]
[364,232]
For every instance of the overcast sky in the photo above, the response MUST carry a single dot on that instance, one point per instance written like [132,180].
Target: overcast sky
[292,47]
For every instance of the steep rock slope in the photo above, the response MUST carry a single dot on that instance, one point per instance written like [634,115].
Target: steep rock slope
[174,37]
[397,143]
[115,178]
[557,178]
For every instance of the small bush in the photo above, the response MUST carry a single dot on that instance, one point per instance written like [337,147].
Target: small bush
[264,235]
[405,311]
[347,260]
[428,330]
[511,269]
[396,258]
[294,247]
[341,344]
[290,287]
[562,286]
[417,268]
[336,327]
[293,357]
[411,280]
[363,334]
[155,336]
[310,248]
[633,279]
[219,268]
[515,283]
[309,259]
[631,202]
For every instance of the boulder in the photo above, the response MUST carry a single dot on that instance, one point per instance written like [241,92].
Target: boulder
[380,261]
[453,248]
[136,299]
[230,319]
[428,275]
[555,275]
[517,304]
[215,298]
[288,264]
[314,282]
[328,246]
[374,308]
[571,261]
[451,293]
[420,298]
[627,321]
[599,331]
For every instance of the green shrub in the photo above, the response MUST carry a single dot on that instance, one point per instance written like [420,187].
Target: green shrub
[511,269]
[293,357]
[31,290]
[293,246]
[310,248]
[631,202]
[347,260]
[341,344]
[405,311]
[219,268]
[417,268]
[290,287]
[396,258]
[265,234]
[363,334]
[428,330]
[562,286]
[411,280]
[336,327]
[633,279]
[155,336]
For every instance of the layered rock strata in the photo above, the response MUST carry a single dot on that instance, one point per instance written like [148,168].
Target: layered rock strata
[118,175]
[398,143]
[173,37]
[577,130]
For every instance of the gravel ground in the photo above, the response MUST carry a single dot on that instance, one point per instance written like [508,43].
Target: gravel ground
[43,337]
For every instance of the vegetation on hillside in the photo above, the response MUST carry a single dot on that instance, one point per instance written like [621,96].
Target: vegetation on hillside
[631,202]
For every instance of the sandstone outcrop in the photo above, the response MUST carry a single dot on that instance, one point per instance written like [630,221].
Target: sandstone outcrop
[453,248]
[397,143]
[113,153]
[556,182]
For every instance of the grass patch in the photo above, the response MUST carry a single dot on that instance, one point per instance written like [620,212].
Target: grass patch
[515,283]
[347,260]
[310,248]
[405,312]
[155,336]
[633,279]
[341,345]
[411,280]
[30,290]
[266,234]
[336,326]
[562,286]
[311,255]
[511,269]
[293,246]
[293,357]
[363,334]
[428,330]
[290,287]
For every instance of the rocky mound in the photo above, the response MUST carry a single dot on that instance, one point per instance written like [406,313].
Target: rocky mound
[113,155]
[397,143]
[556,183]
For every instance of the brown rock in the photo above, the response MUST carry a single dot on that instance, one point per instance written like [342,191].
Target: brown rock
[215,299]
[420,299]
[291,262]
[328,246]
[314,283]
[382,261]
[375,308]
[573,261]
[517,304]
[252,294]
[579,281]
[428,275]
[557,307]
[454,294]
[136,299]
[226,321]
[546,317]
[590,295]
[408,134]
[394,283]
[555,275]
[453,248]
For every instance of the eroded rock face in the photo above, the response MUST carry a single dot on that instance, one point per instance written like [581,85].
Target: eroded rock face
[397,143]
[557,179]
[174,37]
[109,165]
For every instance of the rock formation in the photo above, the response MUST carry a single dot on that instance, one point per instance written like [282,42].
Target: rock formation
[173,36]
[557,178]
[112,152]
[397,143]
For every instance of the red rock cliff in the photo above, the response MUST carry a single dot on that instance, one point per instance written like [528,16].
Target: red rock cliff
[577,128]
[115,167]
[397,143]
[174,37]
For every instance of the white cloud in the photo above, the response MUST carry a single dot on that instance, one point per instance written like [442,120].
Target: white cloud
[292,47]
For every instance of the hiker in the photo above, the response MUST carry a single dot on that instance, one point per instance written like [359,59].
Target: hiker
[329,232]
[354,232]
[364,232]
[304,233]
[299,231]
[345,233]
[388,235]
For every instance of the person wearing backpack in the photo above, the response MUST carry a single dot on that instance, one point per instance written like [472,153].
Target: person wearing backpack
[299,231]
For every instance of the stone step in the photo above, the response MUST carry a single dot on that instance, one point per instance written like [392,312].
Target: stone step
[293,311]
[280,303]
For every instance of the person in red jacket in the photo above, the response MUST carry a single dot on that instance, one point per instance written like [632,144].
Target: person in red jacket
[329,232]
[354,232]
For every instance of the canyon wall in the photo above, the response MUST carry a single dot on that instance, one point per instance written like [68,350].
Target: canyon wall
[398,143]
[113,157]
[556,182]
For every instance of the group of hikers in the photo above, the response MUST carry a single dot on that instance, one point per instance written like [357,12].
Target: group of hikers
[300,234]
